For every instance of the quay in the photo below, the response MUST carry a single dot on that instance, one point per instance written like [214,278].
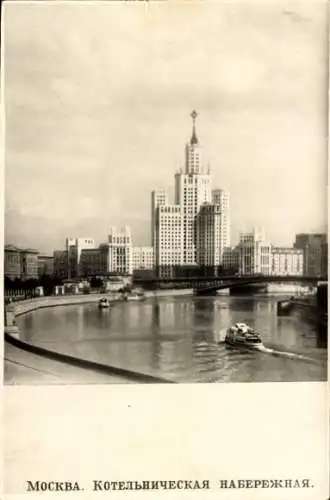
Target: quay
[315,307]
[28,363]
[26,368]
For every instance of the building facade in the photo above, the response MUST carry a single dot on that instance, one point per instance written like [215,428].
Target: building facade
[12,262]
[120,251]
[168,245]
[143,258]
[287,262]
[158,198]
[60,262]
[29,264]
[74,247]
[209,251]
[45,265]
[230,259]
[194,247]
[94,261]
[254,254]
[220,197]
[20,263]
[315,250]
[192,190]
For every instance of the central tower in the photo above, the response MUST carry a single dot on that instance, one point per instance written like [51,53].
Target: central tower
[192,159]
[192,189]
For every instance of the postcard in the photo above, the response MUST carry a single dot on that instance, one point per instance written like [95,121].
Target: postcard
[165,249]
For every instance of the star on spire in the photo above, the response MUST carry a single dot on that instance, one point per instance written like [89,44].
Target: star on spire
[194,139]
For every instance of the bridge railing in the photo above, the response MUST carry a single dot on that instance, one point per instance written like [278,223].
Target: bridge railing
[249,278]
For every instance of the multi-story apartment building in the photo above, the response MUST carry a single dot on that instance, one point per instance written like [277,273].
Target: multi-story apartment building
[209,251]
[192,190]
[143,258]
[20,263]
[255,253]
[74,247]
[168,245]
[45,265]
[82,259]
[315,250]
[12,262]
[220,197]
[158,198]
[94,261]
[230,259]
[60,258]
[120,251]
[287,262]
[29,264]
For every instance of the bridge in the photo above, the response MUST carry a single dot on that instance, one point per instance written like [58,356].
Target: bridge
[210,289]
[210,284]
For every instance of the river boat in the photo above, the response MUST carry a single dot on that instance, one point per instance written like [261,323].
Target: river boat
[104,303]
[242,334]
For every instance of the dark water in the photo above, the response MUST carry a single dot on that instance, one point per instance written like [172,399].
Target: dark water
[176,338]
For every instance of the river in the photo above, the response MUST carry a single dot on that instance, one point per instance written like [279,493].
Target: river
[176,338]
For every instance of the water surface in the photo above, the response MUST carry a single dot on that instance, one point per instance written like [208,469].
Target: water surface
[176,338]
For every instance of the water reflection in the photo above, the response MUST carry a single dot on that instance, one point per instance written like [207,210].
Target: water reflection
[176,338]
[155,329]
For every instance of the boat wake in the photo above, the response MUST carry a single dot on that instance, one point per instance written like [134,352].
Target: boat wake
[267,350]
[285,354]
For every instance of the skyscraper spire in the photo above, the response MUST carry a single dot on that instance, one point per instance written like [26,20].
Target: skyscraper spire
[194,139]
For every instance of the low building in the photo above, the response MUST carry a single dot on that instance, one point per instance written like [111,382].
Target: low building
[60,262]
[12,262]
[116,283]
[120,251]
[255,254]
[94,262]
[287,262]
[315,249]
[29,264]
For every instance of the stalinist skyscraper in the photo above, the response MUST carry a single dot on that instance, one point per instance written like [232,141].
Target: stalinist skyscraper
[192,189]
[195,229]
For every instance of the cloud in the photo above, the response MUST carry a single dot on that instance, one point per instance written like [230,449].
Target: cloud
[98,117]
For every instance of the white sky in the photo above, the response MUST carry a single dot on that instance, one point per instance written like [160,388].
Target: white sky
[98,100]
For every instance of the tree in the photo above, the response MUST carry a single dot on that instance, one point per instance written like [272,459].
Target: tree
[9,284]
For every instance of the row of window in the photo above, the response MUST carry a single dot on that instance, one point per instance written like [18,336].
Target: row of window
[119,239]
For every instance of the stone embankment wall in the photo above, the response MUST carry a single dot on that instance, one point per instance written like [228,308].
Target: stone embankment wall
[13,310]
[28,305]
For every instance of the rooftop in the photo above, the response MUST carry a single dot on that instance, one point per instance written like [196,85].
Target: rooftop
[13,248]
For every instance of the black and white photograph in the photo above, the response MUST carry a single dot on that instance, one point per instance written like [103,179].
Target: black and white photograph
[165,249]
[165,193]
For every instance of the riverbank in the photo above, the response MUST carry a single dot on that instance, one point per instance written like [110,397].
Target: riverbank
[176,339]
[288,288]
[26,368]
[26,363]
[170,293]
[29,305]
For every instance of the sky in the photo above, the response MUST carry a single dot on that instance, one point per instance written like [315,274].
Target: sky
[98,99]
